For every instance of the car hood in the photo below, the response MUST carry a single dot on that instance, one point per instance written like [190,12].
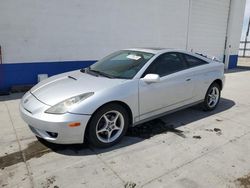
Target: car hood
[63,86]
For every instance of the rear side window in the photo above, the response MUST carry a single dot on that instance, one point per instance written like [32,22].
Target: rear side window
[193,61]
[166,64]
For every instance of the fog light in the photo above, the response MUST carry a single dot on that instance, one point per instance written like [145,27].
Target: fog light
[74,124]
[51,134]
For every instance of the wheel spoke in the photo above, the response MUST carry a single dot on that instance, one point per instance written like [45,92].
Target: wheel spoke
[116,128]
[210,102]
[115,119]
[109,135]
[102,130]
[214,91]
[106,119]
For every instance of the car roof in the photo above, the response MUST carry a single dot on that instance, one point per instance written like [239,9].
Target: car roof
[156,51]
[152,50]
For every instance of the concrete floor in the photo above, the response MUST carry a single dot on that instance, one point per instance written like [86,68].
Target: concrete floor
[190,148]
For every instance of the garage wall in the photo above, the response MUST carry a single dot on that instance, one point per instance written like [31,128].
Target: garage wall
[235,24]
[54,36]
[59,30]
[208,26]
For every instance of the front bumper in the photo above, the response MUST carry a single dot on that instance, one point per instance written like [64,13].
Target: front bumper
[51,127]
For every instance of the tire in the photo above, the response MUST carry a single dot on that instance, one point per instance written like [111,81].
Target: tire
[212,97]
[107,126]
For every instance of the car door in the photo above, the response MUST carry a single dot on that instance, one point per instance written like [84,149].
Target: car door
[174,88]
[200,75]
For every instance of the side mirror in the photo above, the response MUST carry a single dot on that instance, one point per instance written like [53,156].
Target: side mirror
[151,78]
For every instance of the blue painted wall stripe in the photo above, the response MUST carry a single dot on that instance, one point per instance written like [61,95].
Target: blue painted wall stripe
[233,59]
[26,73]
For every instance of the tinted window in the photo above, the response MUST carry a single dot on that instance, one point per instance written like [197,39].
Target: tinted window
[193,61]
[166,64]
[122,64]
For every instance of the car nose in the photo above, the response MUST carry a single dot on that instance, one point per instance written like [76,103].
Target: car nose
[32,105]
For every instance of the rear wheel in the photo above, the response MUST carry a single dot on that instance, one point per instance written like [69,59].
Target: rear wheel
[212,97]
[108,125]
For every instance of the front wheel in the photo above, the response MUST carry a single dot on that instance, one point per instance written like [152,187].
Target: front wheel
[212,97]
[108,125]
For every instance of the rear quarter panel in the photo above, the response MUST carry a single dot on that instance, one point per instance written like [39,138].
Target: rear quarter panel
[205,75]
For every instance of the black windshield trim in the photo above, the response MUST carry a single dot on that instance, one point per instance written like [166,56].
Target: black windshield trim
[99,73]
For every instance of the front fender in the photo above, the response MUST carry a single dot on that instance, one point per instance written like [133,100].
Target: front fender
[126,92]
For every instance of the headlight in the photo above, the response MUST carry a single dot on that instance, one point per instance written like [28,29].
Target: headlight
[62,107]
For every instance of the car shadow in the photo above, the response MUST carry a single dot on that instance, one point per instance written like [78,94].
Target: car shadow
[162,125]
[238,69]
[11,96]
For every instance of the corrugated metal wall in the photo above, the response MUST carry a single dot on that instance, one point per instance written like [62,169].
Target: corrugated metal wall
[72,32]
[208,26]
[58,30]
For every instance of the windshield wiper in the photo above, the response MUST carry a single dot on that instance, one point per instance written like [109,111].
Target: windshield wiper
[86,70]
[96,72]
[83,70]
[101,73]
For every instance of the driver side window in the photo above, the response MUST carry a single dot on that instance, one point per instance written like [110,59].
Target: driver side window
[166,64]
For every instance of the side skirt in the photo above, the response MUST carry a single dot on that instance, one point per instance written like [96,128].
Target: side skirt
[166,113]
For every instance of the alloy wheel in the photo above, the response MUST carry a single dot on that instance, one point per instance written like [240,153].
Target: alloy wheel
[110,126]
[213,97]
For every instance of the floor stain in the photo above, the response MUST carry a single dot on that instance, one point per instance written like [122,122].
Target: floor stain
[152,128]
[40,147]
[49,181]
[244,181]
[219,120]
[34,149]
[197,137]
[218,131]
[37,149]
[130,185]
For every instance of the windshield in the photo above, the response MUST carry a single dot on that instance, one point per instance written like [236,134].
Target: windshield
[122,64]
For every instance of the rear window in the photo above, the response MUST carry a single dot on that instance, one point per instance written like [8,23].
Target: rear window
[194,61]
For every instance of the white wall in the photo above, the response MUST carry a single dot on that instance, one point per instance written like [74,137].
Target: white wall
[54,30]
[235,23]
[59,30]
[207,28]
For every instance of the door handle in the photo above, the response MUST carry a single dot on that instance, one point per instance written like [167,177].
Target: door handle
[188,79]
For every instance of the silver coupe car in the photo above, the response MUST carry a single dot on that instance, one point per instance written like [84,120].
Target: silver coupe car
[124,89]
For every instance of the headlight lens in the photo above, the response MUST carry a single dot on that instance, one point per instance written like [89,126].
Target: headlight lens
[62,107]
